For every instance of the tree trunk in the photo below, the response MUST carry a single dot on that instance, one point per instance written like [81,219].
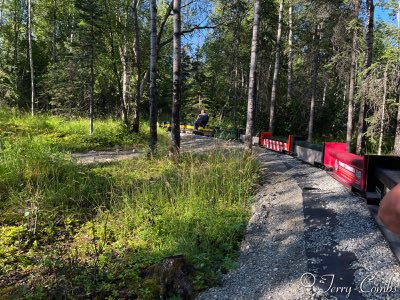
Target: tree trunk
[145,78]
[126,78]
[71,36]
[352,85]
[236,94]
[314,78]
[54,34]
[383,109]
[258,87]
[16,36]
[176,78]
[1,29]
[136,48]
[290,54]
[31,57]
[91,88]
[267,87]
[276,70]
[153,76]
[369,35]
[236,78]
[397,137]
[252,77]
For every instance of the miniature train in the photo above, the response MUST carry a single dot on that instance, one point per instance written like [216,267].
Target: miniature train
[227,134]
[189,128]
[370,175]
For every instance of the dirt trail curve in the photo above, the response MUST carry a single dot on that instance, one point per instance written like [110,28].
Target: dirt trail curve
[190,143]
[308,238]
[96,157]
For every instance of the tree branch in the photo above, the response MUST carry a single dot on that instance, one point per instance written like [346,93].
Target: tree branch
[197,27]
[162,26]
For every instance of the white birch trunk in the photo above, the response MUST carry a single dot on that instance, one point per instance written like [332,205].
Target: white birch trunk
[314,77]
[153,76]
[276,70]
[136,48]
[352,84]
[54,35]
[32,70]
[362,116]
[397,137]
[290,54]
[175,142]
[126,78]
[383,111]
[252,75]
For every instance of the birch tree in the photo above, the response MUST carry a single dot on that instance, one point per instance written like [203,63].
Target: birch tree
[314,77]
[176,78]
[153,77]
[31,66]
[383,109]
[54,34]
[369,34]
[352,86]
[138,57]
[397,136]
[276,69]
[126,77]
[290,52]
[252,78]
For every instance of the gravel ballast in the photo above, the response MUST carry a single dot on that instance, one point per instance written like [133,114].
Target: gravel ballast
[308,238]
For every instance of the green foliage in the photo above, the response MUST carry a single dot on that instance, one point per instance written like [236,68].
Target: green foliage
[71,134]
[73,230]
[8,94]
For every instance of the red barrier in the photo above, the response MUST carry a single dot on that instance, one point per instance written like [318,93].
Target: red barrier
[329,149]
[264,135]
[268,142]
[348,167]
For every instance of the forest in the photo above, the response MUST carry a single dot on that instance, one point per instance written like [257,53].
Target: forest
[323,68]
[91,75]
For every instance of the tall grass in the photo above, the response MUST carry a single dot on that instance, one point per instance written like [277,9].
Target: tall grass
[199,208]
[72,134]
[88,230]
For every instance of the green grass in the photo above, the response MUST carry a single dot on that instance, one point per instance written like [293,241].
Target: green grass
[77,231]
[72,134]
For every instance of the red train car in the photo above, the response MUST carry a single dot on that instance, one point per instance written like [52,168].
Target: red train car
[347,167]
[371,175]
[278,144]
[273,143]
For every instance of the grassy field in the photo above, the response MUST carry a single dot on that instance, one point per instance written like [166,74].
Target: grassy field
[74,231]
[72,134]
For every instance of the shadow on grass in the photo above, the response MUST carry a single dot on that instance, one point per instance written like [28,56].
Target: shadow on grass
[134,214]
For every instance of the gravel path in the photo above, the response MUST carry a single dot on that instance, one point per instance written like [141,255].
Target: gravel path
[198,143]
[94,157]
[190,143]
[308,238]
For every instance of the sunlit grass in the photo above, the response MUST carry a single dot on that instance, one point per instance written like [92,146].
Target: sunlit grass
[79,230]
[72,134]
